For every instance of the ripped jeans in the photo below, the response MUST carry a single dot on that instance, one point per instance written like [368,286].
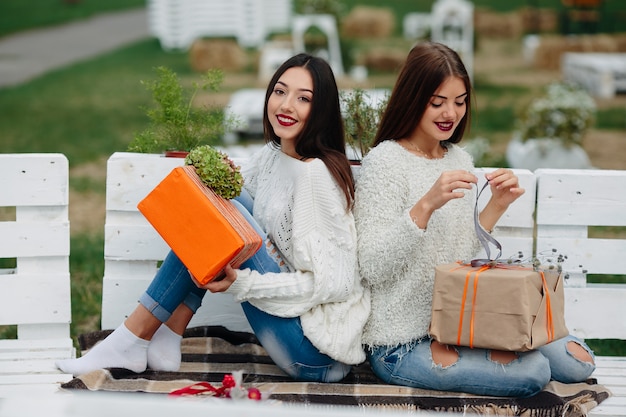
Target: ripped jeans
[282,338]
[475,373]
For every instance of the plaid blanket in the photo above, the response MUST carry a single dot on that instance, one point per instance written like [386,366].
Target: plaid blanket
[211,352]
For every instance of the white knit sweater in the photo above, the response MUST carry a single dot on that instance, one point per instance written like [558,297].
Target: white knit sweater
[303,211]
[397,259]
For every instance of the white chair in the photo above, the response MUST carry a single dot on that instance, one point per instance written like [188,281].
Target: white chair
[35,289]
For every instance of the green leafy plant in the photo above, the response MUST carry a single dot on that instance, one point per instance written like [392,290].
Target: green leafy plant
[361,117]
[216,170]
[565,112]
[175,123]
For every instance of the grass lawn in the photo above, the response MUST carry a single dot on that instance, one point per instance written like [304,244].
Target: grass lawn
[18,15]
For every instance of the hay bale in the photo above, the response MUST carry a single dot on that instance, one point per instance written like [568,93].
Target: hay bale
[384,59]
[539,20]
[512,25]
[369,22]
[551,47]
[497,25]
[601,43]
[224,54]
[620,42]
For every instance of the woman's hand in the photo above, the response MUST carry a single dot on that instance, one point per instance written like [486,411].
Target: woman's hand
[505,187]
[448,186]
[223,283]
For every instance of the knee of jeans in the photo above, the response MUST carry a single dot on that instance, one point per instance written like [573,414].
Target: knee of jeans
[579,352]
[323,373]
[502,357]
[442,355]
[193,302]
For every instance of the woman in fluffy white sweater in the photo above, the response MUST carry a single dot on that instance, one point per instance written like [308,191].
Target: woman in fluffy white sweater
[414,209]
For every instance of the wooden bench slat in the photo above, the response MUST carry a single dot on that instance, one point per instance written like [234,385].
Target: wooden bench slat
[34,180]
[43,298]
[8,345]
[34,239]
[137,242]
[587,311]
[42,378]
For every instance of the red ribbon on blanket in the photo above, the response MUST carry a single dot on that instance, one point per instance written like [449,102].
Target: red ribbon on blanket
[230,385]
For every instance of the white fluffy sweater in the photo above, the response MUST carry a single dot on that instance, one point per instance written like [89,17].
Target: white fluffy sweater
[303,211]
[397,259]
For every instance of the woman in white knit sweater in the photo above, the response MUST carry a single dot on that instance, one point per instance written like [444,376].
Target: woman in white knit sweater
[301,291]
[414,209]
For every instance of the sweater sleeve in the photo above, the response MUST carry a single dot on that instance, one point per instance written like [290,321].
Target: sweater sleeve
[387,236]
[324,252]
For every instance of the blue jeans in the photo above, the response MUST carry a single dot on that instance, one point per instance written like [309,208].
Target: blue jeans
[474,372]
[282,338]
[563,365]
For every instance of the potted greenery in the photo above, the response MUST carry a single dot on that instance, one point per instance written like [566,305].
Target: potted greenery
[551,129]
[175,123]
[361,112]
[216,170]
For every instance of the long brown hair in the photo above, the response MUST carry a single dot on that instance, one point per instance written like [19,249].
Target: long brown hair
[323,133]
[427,66]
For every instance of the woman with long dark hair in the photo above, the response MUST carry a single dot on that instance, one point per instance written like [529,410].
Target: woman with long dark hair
[414,210]
[301,292]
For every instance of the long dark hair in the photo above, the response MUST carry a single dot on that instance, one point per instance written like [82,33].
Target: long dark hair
[426,67]
[323,133]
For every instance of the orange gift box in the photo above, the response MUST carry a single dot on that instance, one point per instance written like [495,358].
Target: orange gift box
[505,308]
[204,230]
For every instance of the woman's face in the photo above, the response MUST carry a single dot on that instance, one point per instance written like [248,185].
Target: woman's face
[290,102]
[446,109]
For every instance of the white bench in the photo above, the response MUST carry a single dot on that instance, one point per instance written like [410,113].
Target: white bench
[602,74]
[177,23]
[566,202]
[35,293]
[569,202]
[133,249]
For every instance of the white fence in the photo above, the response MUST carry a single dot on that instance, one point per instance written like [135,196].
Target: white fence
[566,203]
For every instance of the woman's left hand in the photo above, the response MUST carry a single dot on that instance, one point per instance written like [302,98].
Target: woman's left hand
[221,285]
[505,187]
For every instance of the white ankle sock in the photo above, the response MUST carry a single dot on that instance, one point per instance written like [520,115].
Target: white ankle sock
[120,349]
[164,350]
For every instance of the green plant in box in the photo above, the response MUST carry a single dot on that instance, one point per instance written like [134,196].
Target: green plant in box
[216,170]
[175,123]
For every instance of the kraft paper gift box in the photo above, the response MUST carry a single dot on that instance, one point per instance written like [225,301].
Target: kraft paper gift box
[204,230]
[504,307]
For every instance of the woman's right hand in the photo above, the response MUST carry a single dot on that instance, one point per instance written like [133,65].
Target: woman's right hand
[447,187]
[222,283]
